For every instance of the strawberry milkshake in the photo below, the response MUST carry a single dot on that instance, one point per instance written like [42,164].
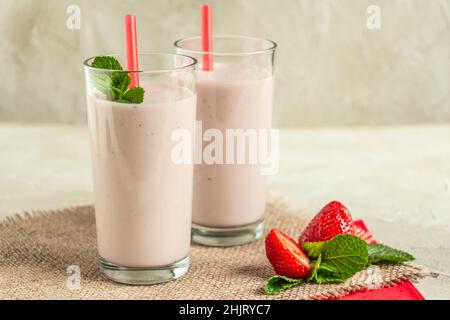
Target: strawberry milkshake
[143,199]
[236,94]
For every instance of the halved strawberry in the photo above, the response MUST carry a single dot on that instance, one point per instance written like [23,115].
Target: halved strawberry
[332,220]
[286,256]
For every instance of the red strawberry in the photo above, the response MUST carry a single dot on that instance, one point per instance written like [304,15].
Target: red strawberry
[286,256]
[332,220]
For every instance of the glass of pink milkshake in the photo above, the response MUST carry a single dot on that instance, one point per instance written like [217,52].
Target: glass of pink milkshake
[236,94]
[143,199]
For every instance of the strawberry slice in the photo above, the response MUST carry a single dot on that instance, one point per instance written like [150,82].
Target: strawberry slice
[286,256]
[332,220]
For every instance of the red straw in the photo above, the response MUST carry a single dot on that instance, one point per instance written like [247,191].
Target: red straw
[132,50]
[207,43]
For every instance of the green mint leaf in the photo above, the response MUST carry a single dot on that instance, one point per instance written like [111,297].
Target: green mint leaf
[106,62]
[315,267]
[341,257]
[381,252]
[276,284]
[313,249]
[103,82]
[120,83]
[325,276]
[134,95]
[114,84]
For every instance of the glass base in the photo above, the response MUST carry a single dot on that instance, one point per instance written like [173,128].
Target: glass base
[139,276]
[227,237]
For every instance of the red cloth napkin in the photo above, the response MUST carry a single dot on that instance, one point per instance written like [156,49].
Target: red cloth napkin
[402,291]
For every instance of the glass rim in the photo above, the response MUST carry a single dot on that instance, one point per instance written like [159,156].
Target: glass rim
[192,64]
[270,48]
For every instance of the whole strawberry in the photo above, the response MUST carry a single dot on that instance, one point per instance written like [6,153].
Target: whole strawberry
[286,256]
[332,220]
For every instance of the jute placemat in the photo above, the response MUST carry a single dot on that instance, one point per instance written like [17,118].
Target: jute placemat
[36,249]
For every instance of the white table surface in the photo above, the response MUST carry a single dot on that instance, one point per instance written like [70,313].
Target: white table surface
[396,178]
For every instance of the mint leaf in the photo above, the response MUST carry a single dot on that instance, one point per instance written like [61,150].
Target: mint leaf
[106,62]
[276,284]
[103,82]
[313,249]
[134,95]
[327,275]
[341,257]
[120,83]
[114,84]
[381,252]
[314,266]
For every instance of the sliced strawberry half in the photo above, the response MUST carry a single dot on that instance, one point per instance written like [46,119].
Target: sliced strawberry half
[286,256]
[332,220]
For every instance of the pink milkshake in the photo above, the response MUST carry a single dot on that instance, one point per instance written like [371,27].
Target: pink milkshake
[233,96]
[143,199]
[229,199]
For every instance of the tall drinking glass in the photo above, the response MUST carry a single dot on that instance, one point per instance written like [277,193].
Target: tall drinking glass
[235,100]
[143,199]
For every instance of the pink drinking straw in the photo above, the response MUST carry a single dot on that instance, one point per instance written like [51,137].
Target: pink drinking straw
[207,43]
[132,50]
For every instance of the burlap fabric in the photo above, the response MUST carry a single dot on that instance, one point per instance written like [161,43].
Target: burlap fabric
[36,249]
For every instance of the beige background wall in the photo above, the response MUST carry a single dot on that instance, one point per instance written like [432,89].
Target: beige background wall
[331,71]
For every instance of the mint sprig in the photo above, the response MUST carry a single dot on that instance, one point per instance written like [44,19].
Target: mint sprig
[276,284]
[114,84]
[133,95]
[340,257]
[106,62]
[383,253]
[337,260]
[314,267]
